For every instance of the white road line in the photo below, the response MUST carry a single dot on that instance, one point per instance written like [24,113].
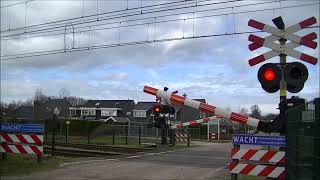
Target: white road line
[79,162]
[129,157]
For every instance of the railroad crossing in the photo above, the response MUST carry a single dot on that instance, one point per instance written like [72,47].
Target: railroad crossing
[206,161]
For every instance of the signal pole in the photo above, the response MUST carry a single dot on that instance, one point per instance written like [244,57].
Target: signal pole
[283,83]
[283,60]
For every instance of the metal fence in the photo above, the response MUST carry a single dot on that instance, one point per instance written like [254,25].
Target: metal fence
[303,141]
[99,132]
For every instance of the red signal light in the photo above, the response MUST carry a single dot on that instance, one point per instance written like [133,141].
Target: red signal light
[269,74]
[157,109]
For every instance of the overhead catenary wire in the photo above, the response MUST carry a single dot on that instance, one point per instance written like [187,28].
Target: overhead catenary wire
[104,46]
[163,21]
[104,13]
[109,18]
[14,4]
[17,36]
[14,56]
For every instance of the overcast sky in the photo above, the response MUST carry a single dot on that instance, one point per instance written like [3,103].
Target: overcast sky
[214,68]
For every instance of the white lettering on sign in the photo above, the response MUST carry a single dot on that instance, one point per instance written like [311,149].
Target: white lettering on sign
[10,127]
[251,140]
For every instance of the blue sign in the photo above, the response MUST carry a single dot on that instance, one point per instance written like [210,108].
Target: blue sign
[30,128]
[259,140]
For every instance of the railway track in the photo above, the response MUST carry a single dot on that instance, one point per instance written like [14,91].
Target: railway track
[91,150]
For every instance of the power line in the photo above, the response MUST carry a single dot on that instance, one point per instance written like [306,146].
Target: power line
[104,46]
[138,19]
[163,21]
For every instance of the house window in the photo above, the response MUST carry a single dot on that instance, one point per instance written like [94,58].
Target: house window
[105,113]
[84,112]
[73,112]
[92,112]
[139,114]
[88,112]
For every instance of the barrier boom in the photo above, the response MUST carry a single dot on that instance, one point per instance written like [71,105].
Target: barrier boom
[180,100]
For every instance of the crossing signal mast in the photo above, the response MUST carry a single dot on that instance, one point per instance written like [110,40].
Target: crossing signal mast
[161,113]
[284,76]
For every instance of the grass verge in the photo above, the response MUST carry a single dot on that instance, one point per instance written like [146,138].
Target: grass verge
[17,164]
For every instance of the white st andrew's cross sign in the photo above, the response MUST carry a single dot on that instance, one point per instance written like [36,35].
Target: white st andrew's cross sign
[288,48]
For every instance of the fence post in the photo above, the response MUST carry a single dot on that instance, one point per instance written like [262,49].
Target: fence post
[139,135]
[235,176]
[113,134]
[53,135]
[127,135]
[173,137]
[46,129]
[88,131]
[188,139]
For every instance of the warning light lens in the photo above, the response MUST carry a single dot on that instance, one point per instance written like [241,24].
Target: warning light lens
[269,74]
[157,109]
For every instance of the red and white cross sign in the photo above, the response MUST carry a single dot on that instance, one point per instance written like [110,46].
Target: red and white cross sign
[288,34]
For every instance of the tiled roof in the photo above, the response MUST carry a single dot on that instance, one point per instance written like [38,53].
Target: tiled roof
[144,105]
[122,104]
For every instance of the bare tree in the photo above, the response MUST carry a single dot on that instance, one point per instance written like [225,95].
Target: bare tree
[255,111]
[64,93]
[27,102]
[39,96]
[75,101]
[244,111]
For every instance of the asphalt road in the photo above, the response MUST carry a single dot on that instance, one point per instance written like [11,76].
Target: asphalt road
[204,162]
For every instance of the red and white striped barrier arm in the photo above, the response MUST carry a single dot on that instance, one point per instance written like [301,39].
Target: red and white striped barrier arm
[21,149]
[22,138]
[180,100]
[193,122]
[257,170]
[258,155]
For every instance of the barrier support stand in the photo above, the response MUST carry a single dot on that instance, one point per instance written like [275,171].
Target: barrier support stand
[235,176]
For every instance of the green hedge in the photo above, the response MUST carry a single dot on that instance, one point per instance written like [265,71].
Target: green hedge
[76,127]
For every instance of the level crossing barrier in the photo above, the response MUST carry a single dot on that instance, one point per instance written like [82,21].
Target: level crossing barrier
[13,141]
[255,161]
[203,107]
